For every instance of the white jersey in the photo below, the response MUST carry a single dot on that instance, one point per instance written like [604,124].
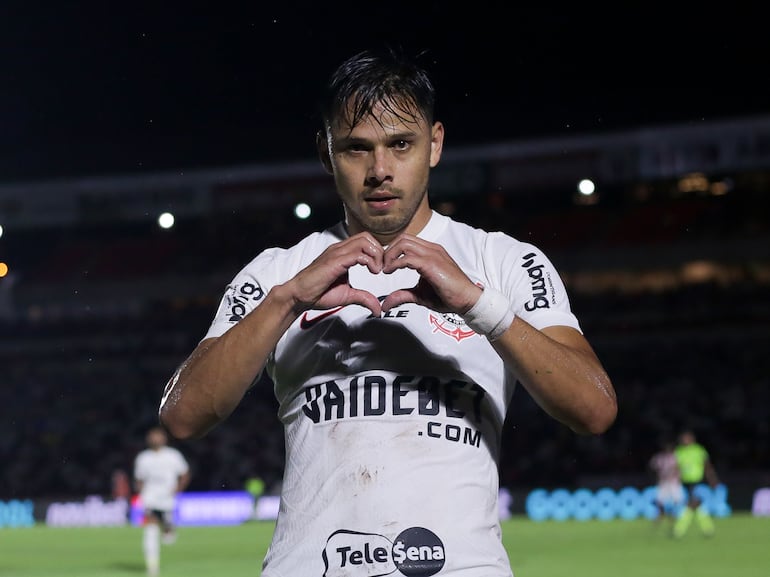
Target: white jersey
[669,490]
[159,470]
[393,424]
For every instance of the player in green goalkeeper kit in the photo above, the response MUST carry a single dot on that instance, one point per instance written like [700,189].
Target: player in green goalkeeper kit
[695,467]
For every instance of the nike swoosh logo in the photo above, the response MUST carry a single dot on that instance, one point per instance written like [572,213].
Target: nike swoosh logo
[306,323]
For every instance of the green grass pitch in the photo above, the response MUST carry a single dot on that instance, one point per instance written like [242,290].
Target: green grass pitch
[639,548]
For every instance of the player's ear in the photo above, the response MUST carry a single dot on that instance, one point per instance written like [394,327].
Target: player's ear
[436,143]
[322,146]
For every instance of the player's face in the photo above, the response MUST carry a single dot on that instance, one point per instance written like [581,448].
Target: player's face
[381,169]
[156,438]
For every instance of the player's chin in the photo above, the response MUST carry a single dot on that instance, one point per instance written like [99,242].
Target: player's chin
[385,223]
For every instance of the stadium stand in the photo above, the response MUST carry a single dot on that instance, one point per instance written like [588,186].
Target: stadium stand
[670,282]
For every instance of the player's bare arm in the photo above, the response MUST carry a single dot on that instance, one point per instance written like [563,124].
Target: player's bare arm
[183,482]
[560,370]
[211,382]
[557,365]
[711,474]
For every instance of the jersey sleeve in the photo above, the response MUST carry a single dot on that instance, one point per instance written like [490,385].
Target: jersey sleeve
[244,293]
[529,278]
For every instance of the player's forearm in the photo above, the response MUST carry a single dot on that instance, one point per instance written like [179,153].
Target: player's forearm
[208,386]
[563,376]
[711,474]
[183,482]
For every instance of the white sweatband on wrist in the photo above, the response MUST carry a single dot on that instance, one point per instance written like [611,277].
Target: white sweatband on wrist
[491,315]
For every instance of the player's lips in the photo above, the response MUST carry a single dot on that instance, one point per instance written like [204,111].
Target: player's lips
[380,201]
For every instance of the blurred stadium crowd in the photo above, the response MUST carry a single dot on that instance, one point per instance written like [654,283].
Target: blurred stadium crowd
[669,275]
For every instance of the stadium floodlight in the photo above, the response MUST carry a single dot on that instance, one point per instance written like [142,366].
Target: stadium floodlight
[166,220]
[586,187]
[302,211]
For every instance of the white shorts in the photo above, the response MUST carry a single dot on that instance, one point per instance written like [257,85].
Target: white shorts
[670,493]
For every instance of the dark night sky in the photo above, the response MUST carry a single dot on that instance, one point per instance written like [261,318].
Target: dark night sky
[93,88]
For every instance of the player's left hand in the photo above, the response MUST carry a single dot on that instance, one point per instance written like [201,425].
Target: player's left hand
[443,286]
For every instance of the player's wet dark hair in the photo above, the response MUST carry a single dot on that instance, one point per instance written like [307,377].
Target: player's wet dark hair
[371,77]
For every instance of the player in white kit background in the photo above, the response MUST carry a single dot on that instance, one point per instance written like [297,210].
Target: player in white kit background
[394,340]
[160,473]
[669,491]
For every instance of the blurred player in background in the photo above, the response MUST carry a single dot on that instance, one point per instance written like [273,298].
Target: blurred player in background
[160,472]
[394,340]
[695,467]
[669,493]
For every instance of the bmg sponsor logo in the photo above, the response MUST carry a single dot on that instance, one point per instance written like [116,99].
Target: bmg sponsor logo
[237,299]
[540,282]
[415,552]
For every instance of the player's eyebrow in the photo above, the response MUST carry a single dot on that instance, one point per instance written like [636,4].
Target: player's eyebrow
[407,135]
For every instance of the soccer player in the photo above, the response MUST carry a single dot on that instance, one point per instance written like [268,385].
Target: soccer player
[394,340]
[669,494]
[160,472]
[695,467]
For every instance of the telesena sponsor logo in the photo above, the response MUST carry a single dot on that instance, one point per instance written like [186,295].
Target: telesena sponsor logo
[415,552]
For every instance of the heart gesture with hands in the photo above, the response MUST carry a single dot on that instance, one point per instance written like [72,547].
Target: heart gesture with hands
[443,286]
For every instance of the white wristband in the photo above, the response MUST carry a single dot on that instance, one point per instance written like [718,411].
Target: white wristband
[491,315]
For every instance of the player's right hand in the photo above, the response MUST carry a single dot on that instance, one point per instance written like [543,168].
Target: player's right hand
[324,283]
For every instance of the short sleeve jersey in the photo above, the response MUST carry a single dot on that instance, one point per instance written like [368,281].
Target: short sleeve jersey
[393,423]
[665,466]
[159,470]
